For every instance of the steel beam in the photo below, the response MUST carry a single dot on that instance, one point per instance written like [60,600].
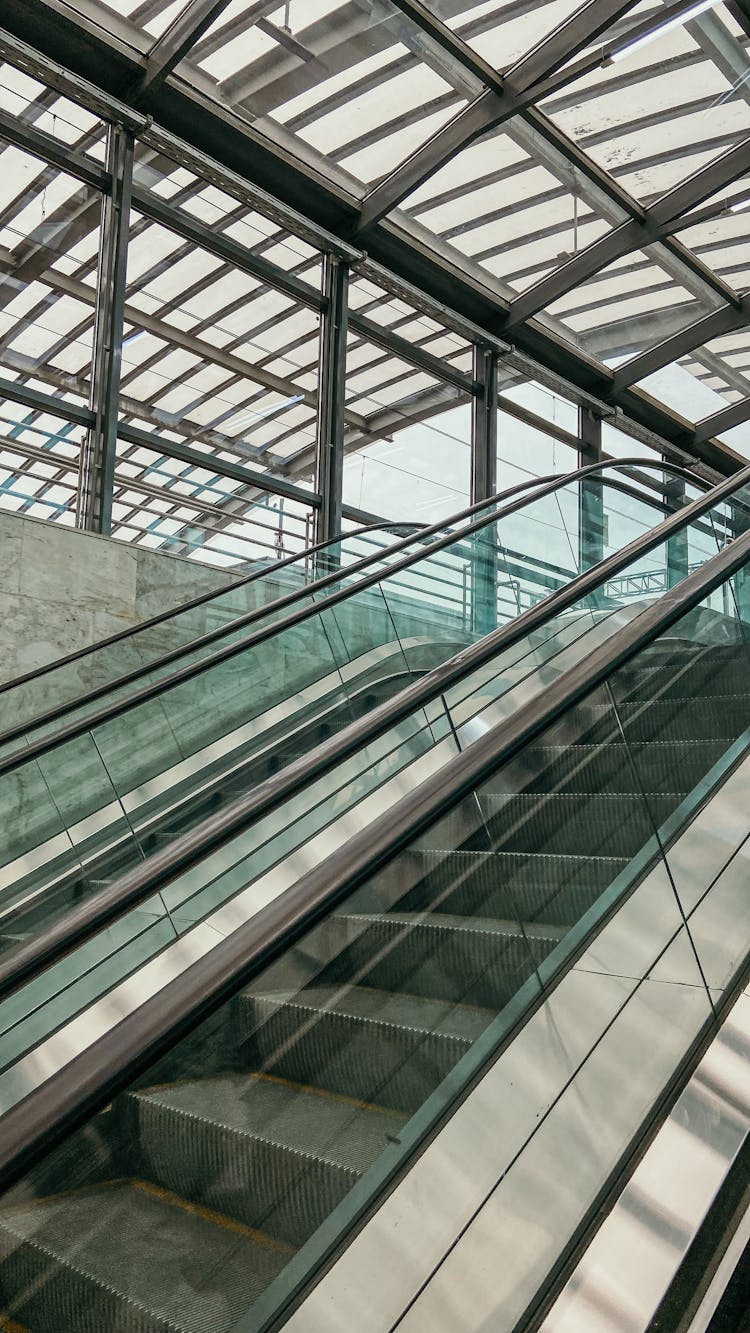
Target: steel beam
[235,471]
[381,336]
[242,155]
[485,544]
[174,44]
[329,455]
[678,545]
[546,143]
[99,452]
[715,325]
[659,221]
[500,100]
[722,421]
[53,151]
[424,18]
[565,41]
[16,392]
[224,247]
[485,113]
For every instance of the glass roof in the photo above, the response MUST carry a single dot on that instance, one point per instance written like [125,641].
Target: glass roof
[595,178]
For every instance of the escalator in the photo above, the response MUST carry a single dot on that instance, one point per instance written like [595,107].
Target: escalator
[111,776]
[400,1041]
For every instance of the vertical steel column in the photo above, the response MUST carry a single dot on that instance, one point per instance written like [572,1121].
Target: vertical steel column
[484,571]
[677,545]
[97,471]
[484,425]
[329,457]
[738,522]
[591,519]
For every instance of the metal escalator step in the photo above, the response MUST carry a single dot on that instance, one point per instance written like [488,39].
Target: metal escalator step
[660,766]
[676,719]
[265,1151]
[713,673]
[467,960]
[504,885]
[607,824]
[390,1049]
[572,823]
[130,1257]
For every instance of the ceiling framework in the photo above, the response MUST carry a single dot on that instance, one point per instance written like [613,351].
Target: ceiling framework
[562,185]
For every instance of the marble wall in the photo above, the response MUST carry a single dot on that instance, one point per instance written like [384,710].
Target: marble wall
[61,589]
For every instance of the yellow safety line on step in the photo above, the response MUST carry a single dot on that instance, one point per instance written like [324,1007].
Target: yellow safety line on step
[323,1092]
[284,1082]
[208,1215]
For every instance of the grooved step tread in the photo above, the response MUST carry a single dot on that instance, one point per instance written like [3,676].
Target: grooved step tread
[132,1246]
[468,925]
[534,884]
[693,719]
[545,864]
[365,1004]
[339,1130]
[590,768]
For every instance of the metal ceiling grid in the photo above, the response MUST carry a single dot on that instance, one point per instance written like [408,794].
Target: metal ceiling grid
[553,180]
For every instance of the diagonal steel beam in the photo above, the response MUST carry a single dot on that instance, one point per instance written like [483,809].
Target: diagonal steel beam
[176,41]
[485,113]
[383,337]
[501,99]
[741,11]
[538,136]
[715,325]
[719,422]
[224,247]
[566,40]
[98,70]
[662,219]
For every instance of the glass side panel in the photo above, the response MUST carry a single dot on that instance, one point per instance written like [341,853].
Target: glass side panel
[248,602]
[183,752]
[189,751]
[278,1118]
[269,580]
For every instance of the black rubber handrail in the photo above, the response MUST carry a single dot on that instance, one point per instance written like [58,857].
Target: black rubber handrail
[91,1079]
[172,611]
[379,525]
[116,708]
[237,622]
[183,852]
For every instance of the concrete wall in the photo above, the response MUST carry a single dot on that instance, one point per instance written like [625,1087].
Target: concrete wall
[61,589]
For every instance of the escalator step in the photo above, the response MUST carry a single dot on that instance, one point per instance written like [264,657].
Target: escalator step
[660,766]
[567,823]
[359,1042]
[265,1151]
[676,719]
[503,885]
[467,961]
[133,1257]
[712,673]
